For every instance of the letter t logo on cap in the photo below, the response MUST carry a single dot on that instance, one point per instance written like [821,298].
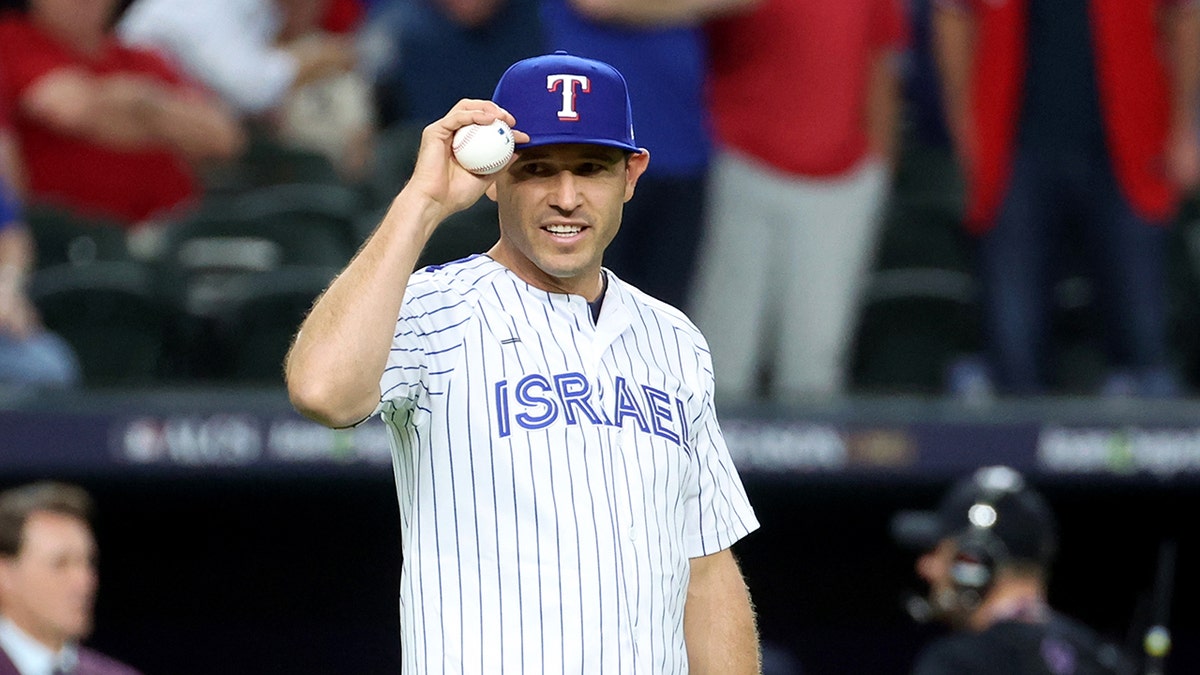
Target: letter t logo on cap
[572,85]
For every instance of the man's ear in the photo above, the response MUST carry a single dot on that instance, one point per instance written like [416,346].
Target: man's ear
[635,166]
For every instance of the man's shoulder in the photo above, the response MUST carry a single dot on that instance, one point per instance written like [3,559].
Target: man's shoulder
[437,294]
[456,274]
[1104,655]
[92,662]
[1018,646]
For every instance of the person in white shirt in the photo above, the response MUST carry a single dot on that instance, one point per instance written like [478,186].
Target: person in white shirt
[271,62]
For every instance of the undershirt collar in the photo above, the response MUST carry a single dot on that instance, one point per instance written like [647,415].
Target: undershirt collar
[595,304]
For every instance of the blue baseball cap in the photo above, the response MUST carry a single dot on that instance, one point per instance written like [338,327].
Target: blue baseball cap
[561,98]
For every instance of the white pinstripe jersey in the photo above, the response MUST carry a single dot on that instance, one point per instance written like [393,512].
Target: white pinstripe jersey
[554,475]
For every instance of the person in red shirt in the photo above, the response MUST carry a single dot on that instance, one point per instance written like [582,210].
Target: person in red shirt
[804,96]
[1075,122]
[104,130]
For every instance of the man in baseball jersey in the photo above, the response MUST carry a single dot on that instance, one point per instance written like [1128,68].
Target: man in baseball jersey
[567,501]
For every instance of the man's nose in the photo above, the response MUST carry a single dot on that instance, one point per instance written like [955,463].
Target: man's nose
[566,192]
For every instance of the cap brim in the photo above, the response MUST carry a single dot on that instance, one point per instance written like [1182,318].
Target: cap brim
[918,530]
[565,139]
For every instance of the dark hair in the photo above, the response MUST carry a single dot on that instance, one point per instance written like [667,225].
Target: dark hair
[17,504]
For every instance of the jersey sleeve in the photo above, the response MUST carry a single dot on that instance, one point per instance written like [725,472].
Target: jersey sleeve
[406,373]
[719,511]
[428,331]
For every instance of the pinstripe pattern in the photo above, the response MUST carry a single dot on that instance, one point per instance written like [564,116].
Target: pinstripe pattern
[554,476]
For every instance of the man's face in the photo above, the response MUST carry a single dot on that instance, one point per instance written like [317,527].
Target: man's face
[934,567]
[560,206]
[48,589]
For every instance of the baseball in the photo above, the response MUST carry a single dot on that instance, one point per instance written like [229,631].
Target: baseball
[483,149]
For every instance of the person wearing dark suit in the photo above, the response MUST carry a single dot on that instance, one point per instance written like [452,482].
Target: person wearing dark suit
[48,583]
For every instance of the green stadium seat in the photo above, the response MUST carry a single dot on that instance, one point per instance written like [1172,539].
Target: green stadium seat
[124,330]
[62,236]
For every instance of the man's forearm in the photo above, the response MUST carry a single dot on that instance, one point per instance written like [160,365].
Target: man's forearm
[132,112]
[718,620]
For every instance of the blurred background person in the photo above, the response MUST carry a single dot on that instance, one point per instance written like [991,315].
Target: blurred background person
[29,354]
[1075,124]
[48,582]
[104,130]
[986,556]
[660,51]
[274,63]
[427,54]
[804,97]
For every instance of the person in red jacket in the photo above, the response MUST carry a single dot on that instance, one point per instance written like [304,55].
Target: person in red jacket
[1075,122]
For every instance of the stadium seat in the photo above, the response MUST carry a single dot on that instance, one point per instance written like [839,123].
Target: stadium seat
[914,323]
[257,232]
[928,175]
[918,234]
[267,161]
[920,310]
[462,234]
[395,155]
[65,237]
[298,208]
[124,331]
[260,317]
[1183,274]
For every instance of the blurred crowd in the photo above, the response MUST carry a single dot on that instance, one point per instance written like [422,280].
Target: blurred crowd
[934,197]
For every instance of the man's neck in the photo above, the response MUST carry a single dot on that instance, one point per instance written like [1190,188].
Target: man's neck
[29,654]
[1012,599]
